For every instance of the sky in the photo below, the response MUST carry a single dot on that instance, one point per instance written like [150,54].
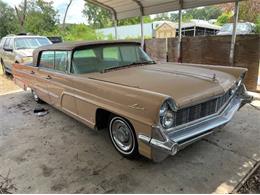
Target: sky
[75,12]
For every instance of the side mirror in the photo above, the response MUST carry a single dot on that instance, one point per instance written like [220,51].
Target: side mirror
[8,49]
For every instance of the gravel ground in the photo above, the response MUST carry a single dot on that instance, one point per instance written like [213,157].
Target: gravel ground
[252,184]
[57,154]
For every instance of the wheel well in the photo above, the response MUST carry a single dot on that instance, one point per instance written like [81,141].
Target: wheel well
[102,118]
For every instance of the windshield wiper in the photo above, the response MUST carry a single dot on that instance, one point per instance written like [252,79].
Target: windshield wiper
[128,65]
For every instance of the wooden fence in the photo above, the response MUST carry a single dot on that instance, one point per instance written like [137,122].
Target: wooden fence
[213,50]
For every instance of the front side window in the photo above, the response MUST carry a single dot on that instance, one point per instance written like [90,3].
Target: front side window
[47,59]
[2,43]
[105,57]
[6,45]
[30,43]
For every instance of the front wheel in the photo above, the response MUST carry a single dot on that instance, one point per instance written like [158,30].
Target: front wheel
[123,137]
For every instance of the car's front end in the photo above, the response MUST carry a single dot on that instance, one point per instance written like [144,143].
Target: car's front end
[25,45]
[177,128]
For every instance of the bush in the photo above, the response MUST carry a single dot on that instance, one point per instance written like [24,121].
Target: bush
[224,18]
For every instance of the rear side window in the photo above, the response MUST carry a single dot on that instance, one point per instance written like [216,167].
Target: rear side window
[61,60]
[47,59]
[111,53]
[57,60]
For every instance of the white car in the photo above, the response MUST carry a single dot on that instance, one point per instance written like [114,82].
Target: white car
[19,49]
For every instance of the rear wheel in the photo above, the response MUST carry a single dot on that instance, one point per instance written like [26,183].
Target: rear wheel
[123,137]
[36,97]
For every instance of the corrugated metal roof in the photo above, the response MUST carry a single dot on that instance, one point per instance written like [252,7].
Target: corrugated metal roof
[131,8]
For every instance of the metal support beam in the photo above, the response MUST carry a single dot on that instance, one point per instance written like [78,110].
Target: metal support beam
[142,31]
[115,26]
[180,31]
[234,34]
[141,20]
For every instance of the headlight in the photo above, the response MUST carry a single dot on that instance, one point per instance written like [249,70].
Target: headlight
[167,116]
[168,119]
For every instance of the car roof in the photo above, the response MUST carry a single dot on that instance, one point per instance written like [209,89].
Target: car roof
[77,44]
[70,46]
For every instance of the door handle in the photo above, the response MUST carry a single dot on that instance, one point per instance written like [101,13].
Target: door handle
[48,77]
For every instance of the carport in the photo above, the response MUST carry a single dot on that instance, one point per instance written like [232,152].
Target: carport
[122,9]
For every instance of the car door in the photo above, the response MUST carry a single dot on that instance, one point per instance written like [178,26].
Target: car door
[43,75]
[59,79]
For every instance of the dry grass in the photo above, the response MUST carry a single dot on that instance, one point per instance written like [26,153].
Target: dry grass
[6,184]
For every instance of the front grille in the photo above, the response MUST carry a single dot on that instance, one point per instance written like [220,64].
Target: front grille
[204,109]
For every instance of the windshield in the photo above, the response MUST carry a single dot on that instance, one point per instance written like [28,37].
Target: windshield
[241,27]
[30,43]
[103,58]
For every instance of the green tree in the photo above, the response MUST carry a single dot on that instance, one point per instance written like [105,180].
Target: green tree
[100,18]
[96,16]
[224,18]
[134,20]
[79,32]
[258,24]
[206,13]
[41,17]
[248,10]
[8,21]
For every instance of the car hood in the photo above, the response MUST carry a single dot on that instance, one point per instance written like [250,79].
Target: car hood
[25,52]
[184,83]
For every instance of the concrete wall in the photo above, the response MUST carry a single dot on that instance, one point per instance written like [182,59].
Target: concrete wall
[212,50]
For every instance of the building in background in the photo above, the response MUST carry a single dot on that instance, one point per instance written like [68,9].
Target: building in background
[162,29]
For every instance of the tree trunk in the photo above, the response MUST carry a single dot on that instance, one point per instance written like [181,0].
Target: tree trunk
[21,18]
[65,16]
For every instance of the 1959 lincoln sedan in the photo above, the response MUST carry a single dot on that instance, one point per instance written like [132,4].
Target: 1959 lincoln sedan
[150,109]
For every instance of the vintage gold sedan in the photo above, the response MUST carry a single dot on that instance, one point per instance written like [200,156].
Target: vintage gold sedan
[150,109]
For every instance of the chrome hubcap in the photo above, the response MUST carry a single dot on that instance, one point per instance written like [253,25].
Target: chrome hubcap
[122,135]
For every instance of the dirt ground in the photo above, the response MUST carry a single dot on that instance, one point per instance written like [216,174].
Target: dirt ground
[57,154]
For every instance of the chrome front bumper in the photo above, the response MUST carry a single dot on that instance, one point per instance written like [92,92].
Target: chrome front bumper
[164,143]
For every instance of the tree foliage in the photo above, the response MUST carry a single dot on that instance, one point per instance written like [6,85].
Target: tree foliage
[100,18]
[80,32]
[249,10]
[41,17]
[224,18]
[8,21]
[96,16]
[205,13]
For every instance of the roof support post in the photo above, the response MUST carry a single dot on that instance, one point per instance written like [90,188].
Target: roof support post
[115,26]
[142,31]
[234,34]
[180,31]
[141,20]
[115,23]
